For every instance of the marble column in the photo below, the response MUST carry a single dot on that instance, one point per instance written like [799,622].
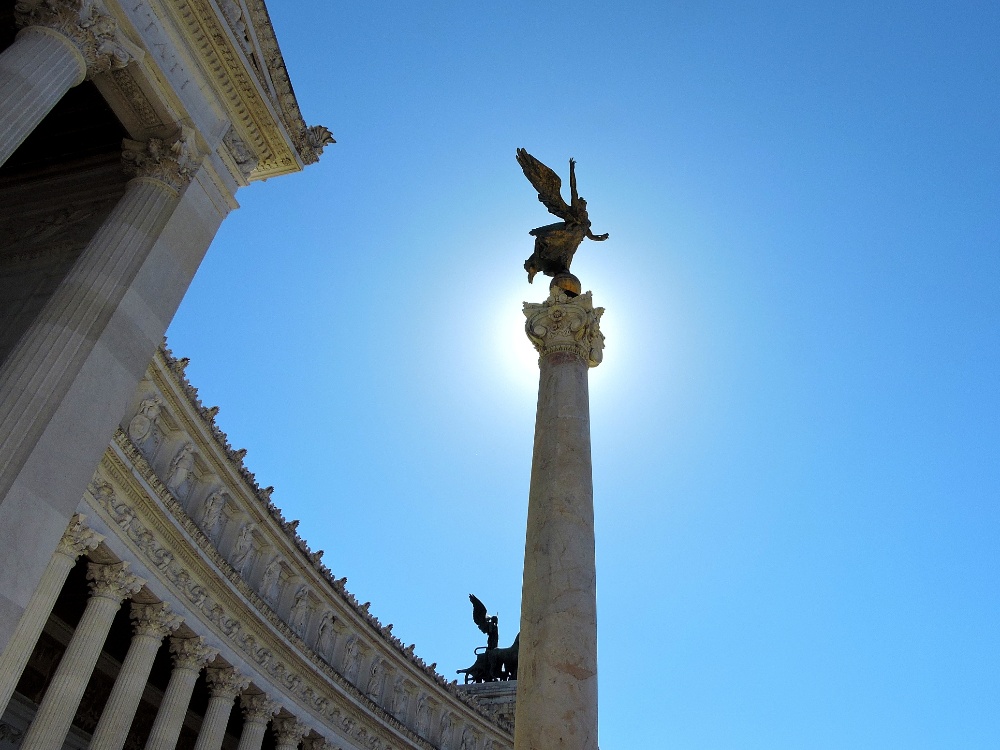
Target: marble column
[224,684]
[152,622]
[257,711]
[77,540]
[109,585]
[60,44]
[557,666]
[190,655]
[288,732]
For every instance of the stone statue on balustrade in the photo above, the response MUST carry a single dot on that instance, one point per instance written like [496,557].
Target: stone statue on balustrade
[556,244]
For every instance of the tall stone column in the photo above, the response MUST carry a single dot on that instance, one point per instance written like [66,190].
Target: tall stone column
[288,732]
[152,622]
[257,711]
[61,42]
[66,383]
[77,540]
[109,585]
[190,655]
[224,684]
[557,665]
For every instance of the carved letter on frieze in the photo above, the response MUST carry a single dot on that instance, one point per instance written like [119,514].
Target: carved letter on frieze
[172,162]
[87,24]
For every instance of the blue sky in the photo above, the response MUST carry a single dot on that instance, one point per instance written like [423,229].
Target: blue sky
[795,430]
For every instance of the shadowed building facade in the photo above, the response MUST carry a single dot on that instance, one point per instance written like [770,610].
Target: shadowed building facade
[151,596]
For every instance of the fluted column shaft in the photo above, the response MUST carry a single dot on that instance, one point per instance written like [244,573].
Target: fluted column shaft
[77,540]
[43,363]
[35,72]
[224,685]
[190,655]
[257,711]
[557,664]
[110,584]
[152,623]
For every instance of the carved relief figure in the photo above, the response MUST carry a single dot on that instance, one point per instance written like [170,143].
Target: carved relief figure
[352,659]
[181,470]
[143,427]
[400,699]
[243,544]
[213,510]
[445,728]
[270,578]
[374,689]
[423,716]
[297,615]
[468,740]
[325,635]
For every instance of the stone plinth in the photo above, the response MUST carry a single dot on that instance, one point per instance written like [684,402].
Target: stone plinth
[557,670]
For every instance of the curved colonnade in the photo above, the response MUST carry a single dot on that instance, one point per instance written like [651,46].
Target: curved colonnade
[174,531]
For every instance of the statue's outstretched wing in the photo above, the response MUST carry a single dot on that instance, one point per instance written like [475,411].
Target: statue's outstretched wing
[547,183]
[479,614]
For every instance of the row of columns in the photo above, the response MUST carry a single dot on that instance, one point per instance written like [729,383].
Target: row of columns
[110,586]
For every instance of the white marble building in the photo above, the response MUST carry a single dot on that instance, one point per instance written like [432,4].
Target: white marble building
[151,596]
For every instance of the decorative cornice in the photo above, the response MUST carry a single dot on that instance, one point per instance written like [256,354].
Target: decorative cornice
[113,581]
[565,323]
[172,162]
[78,539]
[87,24]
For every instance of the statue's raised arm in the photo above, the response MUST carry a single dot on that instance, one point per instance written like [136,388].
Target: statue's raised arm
[555,244]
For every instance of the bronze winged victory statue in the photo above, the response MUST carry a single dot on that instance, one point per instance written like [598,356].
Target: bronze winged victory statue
[555,244]
[491,663]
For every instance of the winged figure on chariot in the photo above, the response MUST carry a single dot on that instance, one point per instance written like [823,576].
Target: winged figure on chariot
[491,663]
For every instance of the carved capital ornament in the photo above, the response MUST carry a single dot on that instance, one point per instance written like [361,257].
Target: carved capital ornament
[113,581]
[170,161]
[258,707]
[87,24]
[227,682]
[566,323]
[191,653]
[78,538]
[154,620]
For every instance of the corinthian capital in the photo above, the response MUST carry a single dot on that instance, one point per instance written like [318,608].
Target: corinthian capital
[191,653]
[226,681]
[113,581]
[172,161]
[78,538]
[154,619]
[258,707]
[86,23]
[565,323]
[288,731]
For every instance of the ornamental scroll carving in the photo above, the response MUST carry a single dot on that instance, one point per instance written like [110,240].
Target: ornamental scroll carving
[565,323]
[87,24]
[171,161]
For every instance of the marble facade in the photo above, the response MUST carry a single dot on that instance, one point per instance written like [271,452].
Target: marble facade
[151,595]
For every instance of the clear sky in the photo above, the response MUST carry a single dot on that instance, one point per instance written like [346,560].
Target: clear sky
[796,426]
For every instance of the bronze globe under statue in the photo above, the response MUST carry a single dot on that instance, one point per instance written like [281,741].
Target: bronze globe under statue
[555,244]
